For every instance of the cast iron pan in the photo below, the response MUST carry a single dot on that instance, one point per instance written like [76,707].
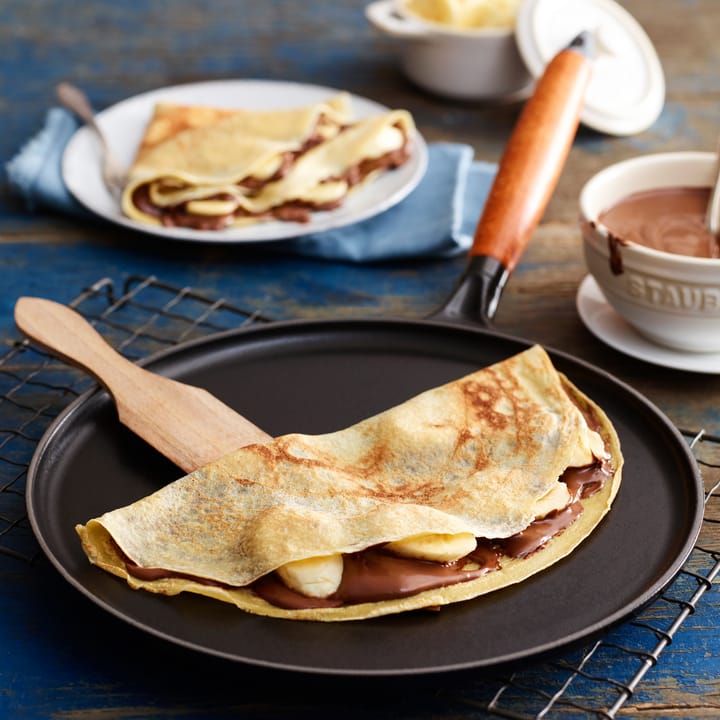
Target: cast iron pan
[320,376]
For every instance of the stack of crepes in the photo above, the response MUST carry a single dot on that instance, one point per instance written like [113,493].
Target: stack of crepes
[210,168]
[464,489]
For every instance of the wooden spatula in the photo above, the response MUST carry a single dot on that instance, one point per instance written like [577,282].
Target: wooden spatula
[186,424]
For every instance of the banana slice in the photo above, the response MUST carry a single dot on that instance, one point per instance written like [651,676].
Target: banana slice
[556,499]
[313,577]
[211,207]
[589,446]
[326,192]
[437,547]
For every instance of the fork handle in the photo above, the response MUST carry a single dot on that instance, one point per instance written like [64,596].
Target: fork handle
[75,99]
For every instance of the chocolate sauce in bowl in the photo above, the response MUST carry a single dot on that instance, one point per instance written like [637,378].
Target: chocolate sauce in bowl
[670,219]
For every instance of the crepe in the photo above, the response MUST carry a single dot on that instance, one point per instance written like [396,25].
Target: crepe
[482,455]
[211,168]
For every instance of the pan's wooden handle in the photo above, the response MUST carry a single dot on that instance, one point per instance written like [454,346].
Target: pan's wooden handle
[186,424]
[533,159]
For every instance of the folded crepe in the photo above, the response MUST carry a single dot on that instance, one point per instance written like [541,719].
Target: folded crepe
[464,489]
[210,168]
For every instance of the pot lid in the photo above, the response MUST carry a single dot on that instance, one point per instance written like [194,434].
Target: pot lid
[627,88]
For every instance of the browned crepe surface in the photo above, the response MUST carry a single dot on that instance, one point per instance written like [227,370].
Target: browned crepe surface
[476,455]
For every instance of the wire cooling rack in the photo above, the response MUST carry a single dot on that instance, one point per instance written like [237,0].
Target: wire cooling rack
[146,315]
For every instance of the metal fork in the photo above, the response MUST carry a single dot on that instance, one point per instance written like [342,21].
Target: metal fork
[113,172]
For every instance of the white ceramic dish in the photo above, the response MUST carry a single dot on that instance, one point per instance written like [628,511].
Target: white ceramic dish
[470,64]
[603,322]
[124,124]
[672,300]
[626,92]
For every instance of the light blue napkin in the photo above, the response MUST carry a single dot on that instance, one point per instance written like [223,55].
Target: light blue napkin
[436,220]
[35,174]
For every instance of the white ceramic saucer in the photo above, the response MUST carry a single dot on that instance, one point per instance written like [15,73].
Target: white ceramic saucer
[608,326]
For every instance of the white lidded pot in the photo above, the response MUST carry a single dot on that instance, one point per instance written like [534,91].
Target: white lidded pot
[466,64]
[627,88]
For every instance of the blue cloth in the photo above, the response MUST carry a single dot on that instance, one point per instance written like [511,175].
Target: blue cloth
[437,220]
[35,172]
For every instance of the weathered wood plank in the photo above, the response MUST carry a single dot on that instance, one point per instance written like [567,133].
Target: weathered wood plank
[62,656]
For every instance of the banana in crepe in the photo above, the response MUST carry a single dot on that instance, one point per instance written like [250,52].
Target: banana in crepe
[210,168]
[464,489]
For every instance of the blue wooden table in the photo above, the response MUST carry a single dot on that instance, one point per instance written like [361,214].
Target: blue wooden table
[62,657]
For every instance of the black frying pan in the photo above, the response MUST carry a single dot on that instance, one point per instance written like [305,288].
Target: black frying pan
[320,376]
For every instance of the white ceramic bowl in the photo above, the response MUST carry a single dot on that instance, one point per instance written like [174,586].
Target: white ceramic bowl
[476,64]
[672,300]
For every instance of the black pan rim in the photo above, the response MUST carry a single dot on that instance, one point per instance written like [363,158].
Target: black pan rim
[334,326]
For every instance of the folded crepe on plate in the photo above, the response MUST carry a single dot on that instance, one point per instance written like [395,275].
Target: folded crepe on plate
[210,168]
[465,14]
[464,489]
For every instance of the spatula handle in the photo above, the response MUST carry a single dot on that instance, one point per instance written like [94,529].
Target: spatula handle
[185,423]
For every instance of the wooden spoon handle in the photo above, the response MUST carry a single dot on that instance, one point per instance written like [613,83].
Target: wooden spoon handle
[532,160]
[185,423]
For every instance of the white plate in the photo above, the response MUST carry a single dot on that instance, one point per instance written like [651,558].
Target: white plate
[603,322]
[125,122]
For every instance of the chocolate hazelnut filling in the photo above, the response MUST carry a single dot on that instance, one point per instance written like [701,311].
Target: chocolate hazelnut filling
[373,575]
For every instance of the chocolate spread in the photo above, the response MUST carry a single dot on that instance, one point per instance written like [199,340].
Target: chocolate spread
[372,575]
[668,219]
[291,211]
